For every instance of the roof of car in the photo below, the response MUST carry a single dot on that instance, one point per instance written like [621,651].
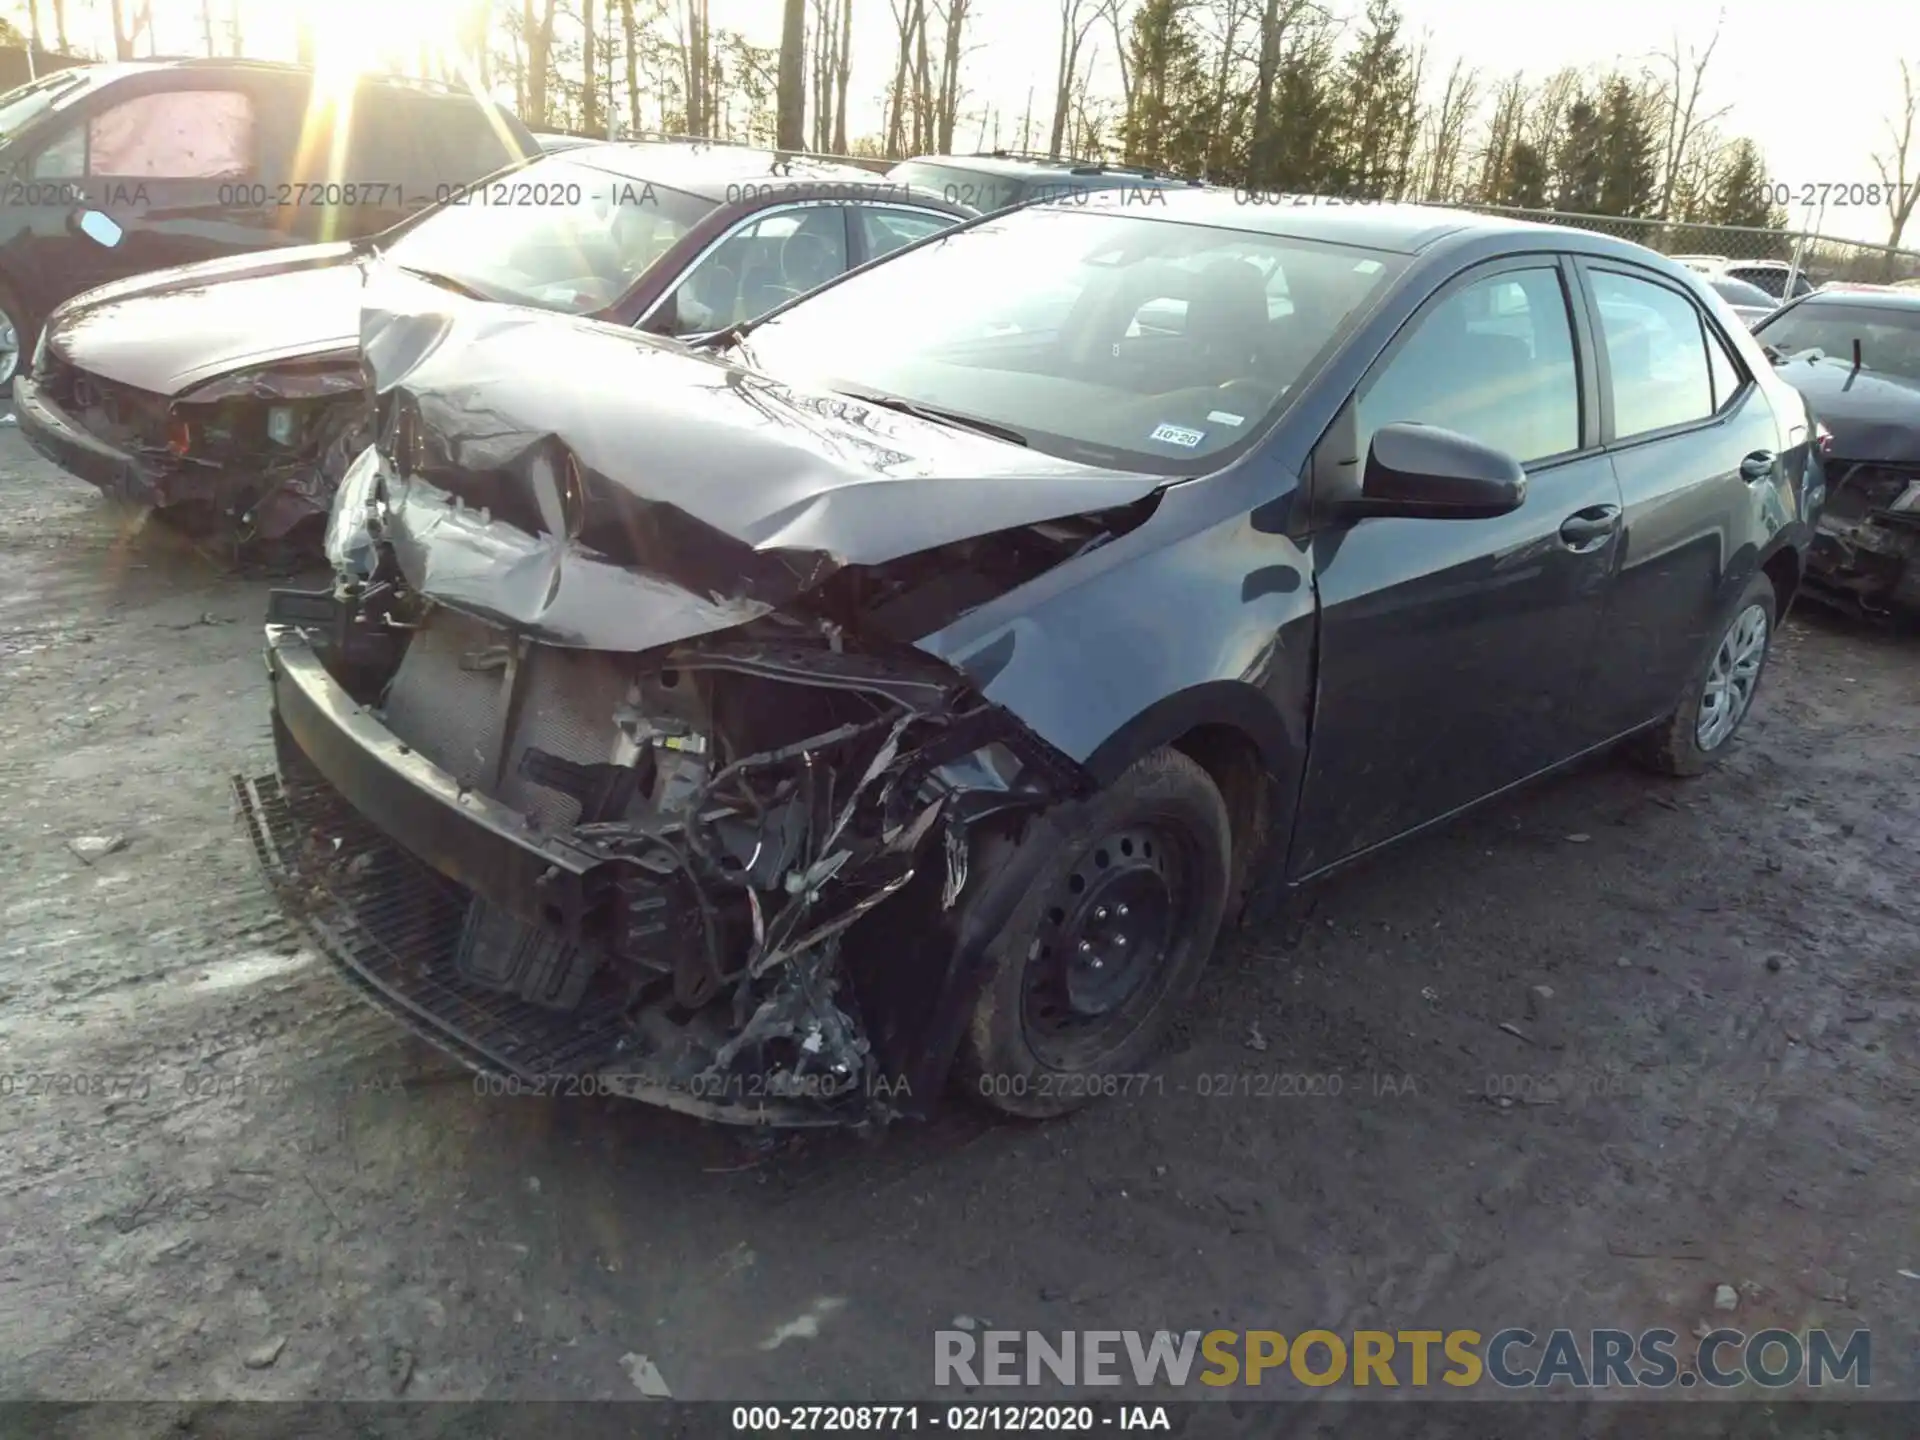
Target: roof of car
[241,64]
[1405,229]
[1889,299]
[1017,166]
[708,170]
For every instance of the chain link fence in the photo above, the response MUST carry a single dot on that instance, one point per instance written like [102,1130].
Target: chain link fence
[1823,258]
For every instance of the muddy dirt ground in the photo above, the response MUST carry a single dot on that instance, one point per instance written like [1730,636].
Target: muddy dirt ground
[271,1191]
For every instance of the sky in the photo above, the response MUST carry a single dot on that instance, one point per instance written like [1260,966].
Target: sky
[1813,85]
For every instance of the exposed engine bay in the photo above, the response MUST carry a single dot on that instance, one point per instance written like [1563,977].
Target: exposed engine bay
[1867,548]
[745,804]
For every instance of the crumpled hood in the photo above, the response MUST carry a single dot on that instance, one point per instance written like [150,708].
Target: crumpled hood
[173,330]
[594,486]
[1872,416]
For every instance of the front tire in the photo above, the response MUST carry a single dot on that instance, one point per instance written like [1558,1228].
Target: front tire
[1105,945]
[18,331]
[1710,711]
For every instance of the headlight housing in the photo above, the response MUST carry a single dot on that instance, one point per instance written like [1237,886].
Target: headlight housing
[350,525]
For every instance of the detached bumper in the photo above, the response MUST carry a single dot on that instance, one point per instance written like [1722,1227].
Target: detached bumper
[115,472]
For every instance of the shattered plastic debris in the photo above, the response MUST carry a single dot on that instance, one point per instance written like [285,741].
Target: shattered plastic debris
[646,1376]
[94,847]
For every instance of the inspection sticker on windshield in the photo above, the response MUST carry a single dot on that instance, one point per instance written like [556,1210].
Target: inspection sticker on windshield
[1178,435]
[1221,417]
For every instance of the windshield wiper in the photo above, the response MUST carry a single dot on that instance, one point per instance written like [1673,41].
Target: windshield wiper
[952,418]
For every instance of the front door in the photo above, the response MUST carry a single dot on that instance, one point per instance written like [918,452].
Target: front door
[1455,655]
[175,169]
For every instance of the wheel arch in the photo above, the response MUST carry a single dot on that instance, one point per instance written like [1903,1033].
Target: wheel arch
[1233,732]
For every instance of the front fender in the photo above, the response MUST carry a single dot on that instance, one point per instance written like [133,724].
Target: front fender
[1107,661]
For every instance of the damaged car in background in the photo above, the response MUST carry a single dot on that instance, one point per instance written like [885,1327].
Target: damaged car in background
[1855,355]
[785,728]
[228,398]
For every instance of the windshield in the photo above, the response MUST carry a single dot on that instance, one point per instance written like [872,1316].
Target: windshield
[1889,335]
[558,234]
[1101,337]
[1739,292]
[30,101]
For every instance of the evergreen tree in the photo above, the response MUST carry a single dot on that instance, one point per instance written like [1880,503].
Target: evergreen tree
[1741,195]
[1580,166]
[1527,178]
[1166,123]
[1629,184]
[1298,153]
[1375,83]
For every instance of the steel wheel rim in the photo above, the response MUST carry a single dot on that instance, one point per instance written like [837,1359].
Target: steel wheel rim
[1733,677]
[1108,944]
[9,348]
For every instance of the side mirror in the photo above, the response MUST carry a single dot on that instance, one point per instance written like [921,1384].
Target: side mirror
[100,228]
[1425,472]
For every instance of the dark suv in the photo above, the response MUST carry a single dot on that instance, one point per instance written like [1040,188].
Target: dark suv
[194,159]
[997,179]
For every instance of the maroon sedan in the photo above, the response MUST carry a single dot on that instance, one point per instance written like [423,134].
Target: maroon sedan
[229,394]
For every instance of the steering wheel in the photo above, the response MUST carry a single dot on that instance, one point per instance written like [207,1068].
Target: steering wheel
[806,260]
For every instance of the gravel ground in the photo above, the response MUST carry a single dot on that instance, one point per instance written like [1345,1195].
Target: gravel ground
[267,1190]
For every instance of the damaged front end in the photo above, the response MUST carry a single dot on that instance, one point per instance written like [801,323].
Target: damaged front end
[1866,551]
[602,795]
[251,456]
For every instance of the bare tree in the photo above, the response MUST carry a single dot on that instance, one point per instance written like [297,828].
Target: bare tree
[33,24]
[696,59]
[790,108]
[1446,133]
[910,18]
[1899,164]
[60,24]
[590,87]
[1277,18]
[843,60]
[947,103]
[122,37]
[1678,88]
[630,44]
[1225,106]
[236,37]
[1504,130]
[537,36]
[1115,11]
[1076,18]
[206,25]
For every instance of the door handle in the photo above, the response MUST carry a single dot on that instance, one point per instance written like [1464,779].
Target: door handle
[1757,466]
[1590,528]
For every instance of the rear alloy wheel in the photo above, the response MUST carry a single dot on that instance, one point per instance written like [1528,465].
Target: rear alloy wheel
[1106,943]
[1698,731]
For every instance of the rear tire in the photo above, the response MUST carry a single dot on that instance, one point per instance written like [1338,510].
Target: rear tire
[1106,944]
[1718,697]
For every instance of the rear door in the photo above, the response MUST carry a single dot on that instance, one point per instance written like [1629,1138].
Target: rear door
[1681,417]
[1456,656]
